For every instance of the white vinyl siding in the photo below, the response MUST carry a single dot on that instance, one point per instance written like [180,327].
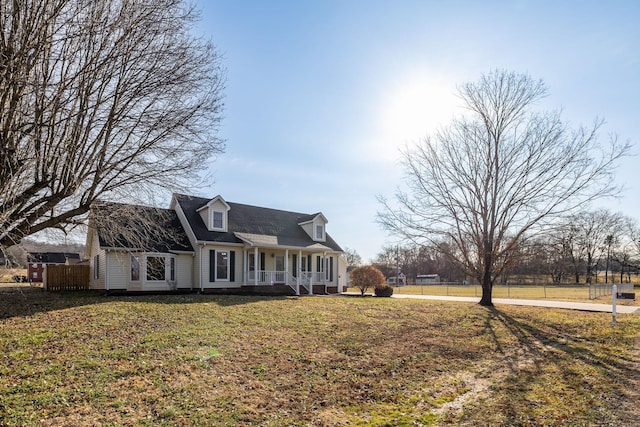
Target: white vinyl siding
[118,270]
[184,271]
[97,275]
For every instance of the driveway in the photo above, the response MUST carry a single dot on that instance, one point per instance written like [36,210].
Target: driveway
[569,305]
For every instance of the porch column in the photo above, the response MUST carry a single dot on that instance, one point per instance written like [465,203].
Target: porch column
[245,267]
[286,263]
[324,269]
[299,268]
[311,274]
[255,265]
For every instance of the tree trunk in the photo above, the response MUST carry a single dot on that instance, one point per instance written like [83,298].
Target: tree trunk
[487,284]
[486,295]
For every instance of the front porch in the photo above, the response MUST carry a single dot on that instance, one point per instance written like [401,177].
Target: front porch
[305,273]
[306,283]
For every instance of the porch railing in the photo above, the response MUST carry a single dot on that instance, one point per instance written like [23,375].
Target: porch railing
[270,277]
[305,286]
[315,277]
[267,277]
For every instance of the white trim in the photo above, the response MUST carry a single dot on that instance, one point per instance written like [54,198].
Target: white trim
[131,279]
[106,270]
[223,220]
[200,268]
[214,243]
[212,201]
[256,254]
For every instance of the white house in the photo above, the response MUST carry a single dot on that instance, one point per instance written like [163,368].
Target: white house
[212,245]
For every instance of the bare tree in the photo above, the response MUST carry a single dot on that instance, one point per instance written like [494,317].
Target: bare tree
[109,99]
[627,253]
[352,258]
[497,174]
[593,235]
[550,256]
[410,260]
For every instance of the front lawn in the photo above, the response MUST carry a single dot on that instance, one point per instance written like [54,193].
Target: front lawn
[84,359]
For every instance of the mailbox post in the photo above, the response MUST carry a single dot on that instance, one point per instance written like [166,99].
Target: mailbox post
[614,299]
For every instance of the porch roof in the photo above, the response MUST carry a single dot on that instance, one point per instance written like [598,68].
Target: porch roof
[263,240]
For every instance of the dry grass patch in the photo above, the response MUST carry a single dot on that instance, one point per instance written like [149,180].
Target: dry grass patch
[82,359]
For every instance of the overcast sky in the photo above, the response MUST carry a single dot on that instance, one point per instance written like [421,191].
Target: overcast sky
[321,95]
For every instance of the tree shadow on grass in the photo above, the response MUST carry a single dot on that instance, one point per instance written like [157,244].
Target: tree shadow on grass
[564,368]
[25,300]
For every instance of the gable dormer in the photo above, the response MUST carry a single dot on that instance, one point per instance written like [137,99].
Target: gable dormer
[215,214]
[315,226]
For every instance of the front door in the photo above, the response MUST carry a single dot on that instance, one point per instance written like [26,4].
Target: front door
[279,260]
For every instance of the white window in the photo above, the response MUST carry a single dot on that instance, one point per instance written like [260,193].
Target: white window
[135,268]
[155,268]
[218,220]
[222,265]
[319,232]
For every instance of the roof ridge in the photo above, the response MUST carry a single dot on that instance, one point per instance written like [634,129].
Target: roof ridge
[247,205]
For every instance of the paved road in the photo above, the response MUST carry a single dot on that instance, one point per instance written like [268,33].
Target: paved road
[583,306]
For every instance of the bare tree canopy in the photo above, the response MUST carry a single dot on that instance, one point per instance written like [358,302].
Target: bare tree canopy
[497,174]
[100,99]
[352,257]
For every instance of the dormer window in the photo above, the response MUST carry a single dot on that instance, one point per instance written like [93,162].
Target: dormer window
[215,214]
[218,220]
[314,225]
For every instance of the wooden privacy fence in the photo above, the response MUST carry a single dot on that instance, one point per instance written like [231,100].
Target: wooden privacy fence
[66,277]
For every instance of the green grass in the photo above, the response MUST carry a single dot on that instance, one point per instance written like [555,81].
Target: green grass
[82,359]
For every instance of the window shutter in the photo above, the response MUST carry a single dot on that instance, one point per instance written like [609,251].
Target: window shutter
[262,260]
[232,266]
[309,264]
[318,269]
[212,265]
[294,260]
[331,269]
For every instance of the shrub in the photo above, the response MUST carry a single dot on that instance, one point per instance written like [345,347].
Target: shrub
[365,277]
[384,290]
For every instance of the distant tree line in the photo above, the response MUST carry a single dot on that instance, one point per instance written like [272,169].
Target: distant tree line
[587,247]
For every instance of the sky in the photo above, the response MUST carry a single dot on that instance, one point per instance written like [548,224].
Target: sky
[322,95]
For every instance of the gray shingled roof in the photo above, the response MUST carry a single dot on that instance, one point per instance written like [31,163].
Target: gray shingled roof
[245,220]
[134,226]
